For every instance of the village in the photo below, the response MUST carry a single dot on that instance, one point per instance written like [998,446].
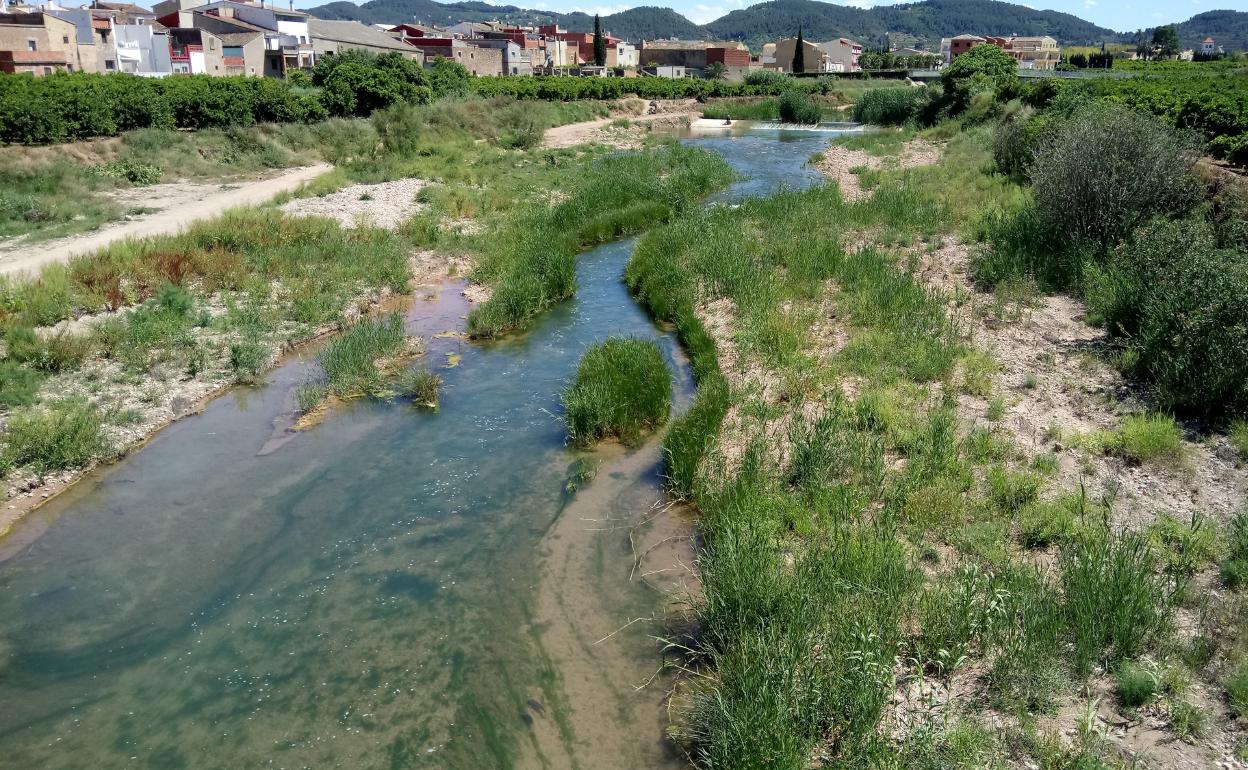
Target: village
[235,37]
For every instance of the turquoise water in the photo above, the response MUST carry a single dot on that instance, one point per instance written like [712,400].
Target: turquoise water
[389,589]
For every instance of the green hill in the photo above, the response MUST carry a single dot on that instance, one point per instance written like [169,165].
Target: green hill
[927,21]
[1228,28]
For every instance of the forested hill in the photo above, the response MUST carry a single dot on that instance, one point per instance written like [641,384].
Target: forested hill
[926,21]
[1228,28]
[929,21]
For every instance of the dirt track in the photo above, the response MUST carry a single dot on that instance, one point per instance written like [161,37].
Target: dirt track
[188,208]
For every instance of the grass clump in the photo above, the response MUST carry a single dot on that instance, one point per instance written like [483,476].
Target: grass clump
[1149,438]
[1239,438]
[622,388]
[19,385]
[1113,600]
[1136,684]
[420,386]
[60,436]
[350,359]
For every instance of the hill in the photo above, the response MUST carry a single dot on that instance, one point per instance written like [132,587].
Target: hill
[1228,28]
[927,21]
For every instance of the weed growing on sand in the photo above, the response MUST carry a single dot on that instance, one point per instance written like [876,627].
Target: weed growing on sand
[1235,565]
[1137,684]
[622,388]
[1239,438]
[1113,598]
[1149,438]
[62,435]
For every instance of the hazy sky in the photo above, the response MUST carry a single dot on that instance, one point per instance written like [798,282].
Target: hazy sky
[1115,14]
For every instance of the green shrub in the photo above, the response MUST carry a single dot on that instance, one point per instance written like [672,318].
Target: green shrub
[1236,684]
[796,107]
[622,388]
[63,435]
[60,352]
[19,385]
[1185,547]
[134,172]
[248,358]
[1015,140]
[1239,437]
[1012,491]
[1188,721]
[1108,170]
[1235,565]
[1180,302]
[1136,685]
[1041,524]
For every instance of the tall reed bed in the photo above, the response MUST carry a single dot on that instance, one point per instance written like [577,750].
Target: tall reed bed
[622,388]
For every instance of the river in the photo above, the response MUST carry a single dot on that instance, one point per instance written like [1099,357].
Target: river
[390,589]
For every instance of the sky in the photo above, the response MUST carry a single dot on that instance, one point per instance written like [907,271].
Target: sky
[1121,15]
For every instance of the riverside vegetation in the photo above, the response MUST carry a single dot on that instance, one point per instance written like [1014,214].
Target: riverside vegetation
[891,579]
[94,348]
[622,389]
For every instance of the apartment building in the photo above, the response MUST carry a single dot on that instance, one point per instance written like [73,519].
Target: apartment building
[56,40]
[1031,53]
[334,37]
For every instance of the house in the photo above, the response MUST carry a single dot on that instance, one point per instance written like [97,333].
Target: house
[665,71]
[814,58]
[334,37]
[842,55]
[1031,53]
[97,49]
[38,44]
[287,41]
[693,54]
[953,47]
[143,49]
[477,59]
[121,13]
[1209,47]
[195,52]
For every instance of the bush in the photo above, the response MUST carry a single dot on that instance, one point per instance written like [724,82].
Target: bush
[1237,690]
[1108,170]
[62,436]
[60,352]
[1180,302]
[622,388]
[1014,143]
[248,358]
[890,106]
[134,172]
[796,107]
[1235,566]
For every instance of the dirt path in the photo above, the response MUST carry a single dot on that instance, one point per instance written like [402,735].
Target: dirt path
[176,209]
[605,131]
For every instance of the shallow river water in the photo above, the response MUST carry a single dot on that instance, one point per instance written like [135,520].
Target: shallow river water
[389,589]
